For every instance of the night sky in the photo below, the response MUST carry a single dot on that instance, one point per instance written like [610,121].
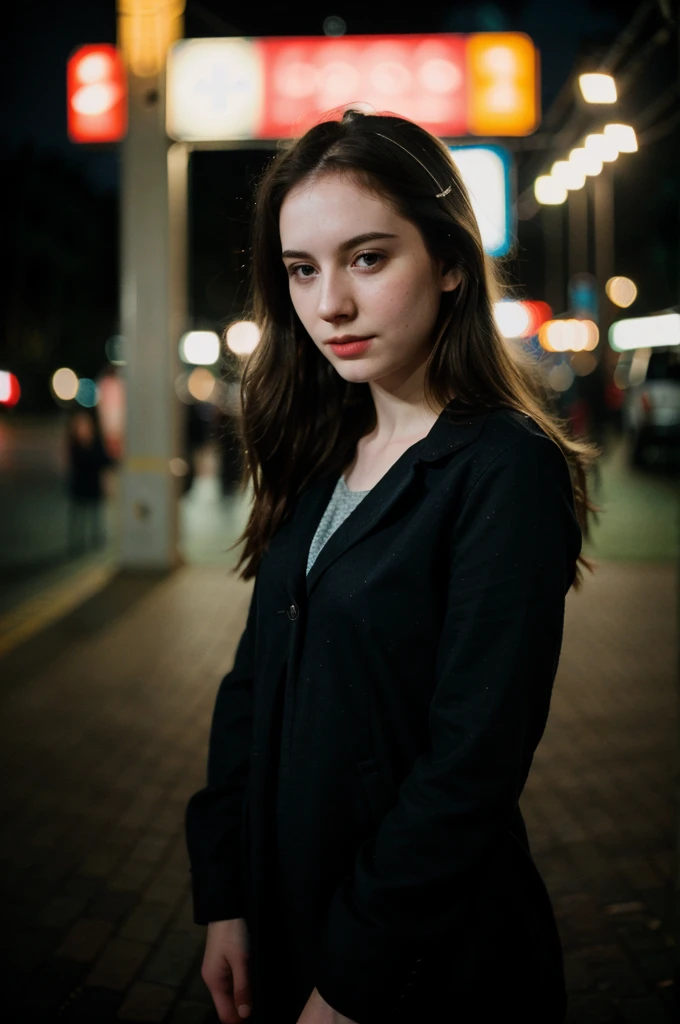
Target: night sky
[64,294]
[41,34]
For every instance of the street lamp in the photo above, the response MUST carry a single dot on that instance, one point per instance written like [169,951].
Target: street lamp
[597,88]
[567,175]
[622,136]
[548,191]
[586,161]
[601,146]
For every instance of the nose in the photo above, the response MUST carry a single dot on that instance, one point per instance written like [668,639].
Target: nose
[336,301]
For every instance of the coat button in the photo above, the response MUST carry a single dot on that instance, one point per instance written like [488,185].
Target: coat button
[293,612]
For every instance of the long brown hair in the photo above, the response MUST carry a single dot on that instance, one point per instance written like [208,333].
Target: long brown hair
[299,418]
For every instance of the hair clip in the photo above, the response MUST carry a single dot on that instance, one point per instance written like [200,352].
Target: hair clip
[442,192]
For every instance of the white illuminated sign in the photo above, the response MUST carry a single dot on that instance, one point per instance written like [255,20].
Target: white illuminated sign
[215,89]
[485,171]
[645,332]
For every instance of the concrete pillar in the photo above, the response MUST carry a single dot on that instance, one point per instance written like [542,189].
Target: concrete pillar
[153,317]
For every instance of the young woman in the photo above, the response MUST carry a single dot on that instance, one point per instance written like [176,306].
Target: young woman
[358,853]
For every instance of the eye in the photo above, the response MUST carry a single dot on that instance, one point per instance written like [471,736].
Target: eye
[299,270]
[374,257]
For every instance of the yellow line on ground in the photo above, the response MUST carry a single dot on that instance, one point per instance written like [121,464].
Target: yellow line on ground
[37,613]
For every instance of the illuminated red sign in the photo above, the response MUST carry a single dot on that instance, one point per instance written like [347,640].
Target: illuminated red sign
[10,392]
[276,88]
[96,95]
[422,76]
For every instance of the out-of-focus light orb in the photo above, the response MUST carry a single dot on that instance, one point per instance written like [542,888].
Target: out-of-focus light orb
[334,26]
[200,348]
[87,393]
[592,335]
[568,335]
[548,191]
[114,349]
[94,68]
[622,136]
[601,146]
[586,161]
[96,99]
[661,329]
[561,377]
[583,363]
[10,392]
[65,384]
[567,175]
[621,291]
[179,467]
[243,337]
[597,88]
[201,384]
[512,318]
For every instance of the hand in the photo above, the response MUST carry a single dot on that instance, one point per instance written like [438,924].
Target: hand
[225,968]
[317,1011]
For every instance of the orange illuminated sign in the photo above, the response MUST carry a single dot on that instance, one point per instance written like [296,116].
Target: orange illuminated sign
[503,70]
[272,88]
[96,95]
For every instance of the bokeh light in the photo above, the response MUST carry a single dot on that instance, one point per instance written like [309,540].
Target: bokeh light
[10,392]
[87,393]
[243,337]
[622,136]
[548,191]
[661,329]
[520,318]
[583,363]
[65,384]
[114,350]
[179,467]
[561,377]
[601,146]
[568,335]
[586,161]
[567,175]
[512,318]
[621,291]
[334,26]
[597,88]
[201,384]
[200,348]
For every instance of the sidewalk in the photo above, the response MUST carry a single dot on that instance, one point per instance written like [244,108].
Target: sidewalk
[103,732]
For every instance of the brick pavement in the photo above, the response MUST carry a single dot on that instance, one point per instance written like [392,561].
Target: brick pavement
[103,737]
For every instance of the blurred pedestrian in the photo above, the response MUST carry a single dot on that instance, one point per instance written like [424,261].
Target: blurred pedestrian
[358,853]
[87,458]
[195,436]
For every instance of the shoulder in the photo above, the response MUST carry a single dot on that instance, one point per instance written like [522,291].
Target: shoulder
[510,449]
[518,437]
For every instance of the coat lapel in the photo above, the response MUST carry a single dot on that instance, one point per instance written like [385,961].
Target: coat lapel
[446,436]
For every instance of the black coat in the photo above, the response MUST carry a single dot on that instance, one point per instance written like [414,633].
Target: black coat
[417,661]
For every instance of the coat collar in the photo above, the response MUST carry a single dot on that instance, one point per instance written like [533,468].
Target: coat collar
[455,427]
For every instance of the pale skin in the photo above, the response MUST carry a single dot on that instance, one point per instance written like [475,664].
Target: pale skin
[386,288]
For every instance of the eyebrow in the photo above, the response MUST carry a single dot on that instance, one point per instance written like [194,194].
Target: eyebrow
[369,236]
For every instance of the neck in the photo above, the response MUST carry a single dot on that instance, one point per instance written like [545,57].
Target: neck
[401,409]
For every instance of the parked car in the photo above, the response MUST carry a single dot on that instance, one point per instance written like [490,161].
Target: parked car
[651,408]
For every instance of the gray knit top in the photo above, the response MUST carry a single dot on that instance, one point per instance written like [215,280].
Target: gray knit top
[342,502]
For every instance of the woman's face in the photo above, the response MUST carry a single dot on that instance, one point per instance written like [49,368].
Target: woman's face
[357,269]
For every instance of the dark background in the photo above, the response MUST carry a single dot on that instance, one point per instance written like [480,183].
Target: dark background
[60,286]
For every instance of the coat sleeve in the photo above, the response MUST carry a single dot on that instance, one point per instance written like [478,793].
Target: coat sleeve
[214,815]
[511,552]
